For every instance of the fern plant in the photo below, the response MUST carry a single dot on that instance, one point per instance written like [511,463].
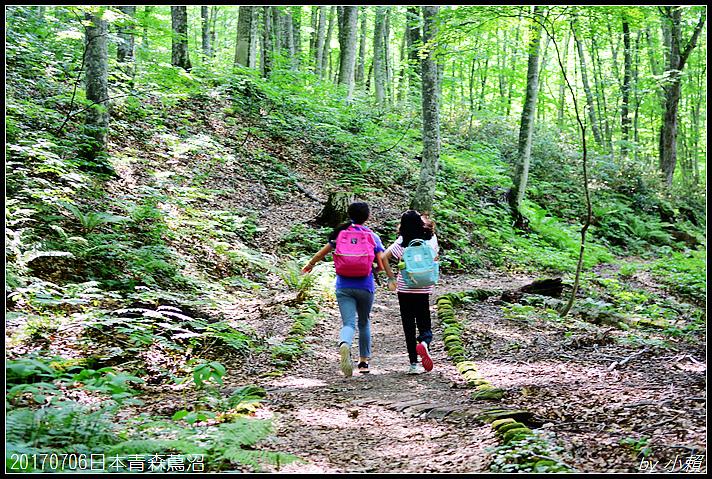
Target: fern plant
[92,220]
[223,446]
[290,272]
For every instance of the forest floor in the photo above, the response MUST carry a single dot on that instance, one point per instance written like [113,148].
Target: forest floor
[649,411]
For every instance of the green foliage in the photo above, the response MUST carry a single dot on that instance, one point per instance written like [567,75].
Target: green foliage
[529,454]
[637,447]
[221,444]
[65,427]
[92,220]
[301,238]
[77,244]
[685,273]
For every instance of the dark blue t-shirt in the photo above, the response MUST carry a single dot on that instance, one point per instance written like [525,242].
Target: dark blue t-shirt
[361,282]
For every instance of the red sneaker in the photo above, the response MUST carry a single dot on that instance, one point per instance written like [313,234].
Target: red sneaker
[425,358]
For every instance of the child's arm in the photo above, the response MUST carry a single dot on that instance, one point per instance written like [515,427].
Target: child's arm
[316,258]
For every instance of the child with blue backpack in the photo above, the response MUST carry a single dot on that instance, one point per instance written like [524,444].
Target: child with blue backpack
[414,301]
[355,248]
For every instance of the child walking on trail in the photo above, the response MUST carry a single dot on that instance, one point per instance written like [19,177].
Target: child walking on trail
[414,301]
[354,294]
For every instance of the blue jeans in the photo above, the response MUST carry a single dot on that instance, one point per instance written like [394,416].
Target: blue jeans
[355,303]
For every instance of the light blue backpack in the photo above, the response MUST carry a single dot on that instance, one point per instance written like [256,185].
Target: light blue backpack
[421,269]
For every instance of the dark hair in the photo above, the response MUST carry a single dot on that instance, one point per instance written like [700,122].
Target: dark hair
[412,226]
[358,211]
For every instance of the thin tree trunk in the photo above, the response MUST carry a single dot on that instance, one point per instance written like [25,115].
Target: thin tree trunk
[521,172]
[600,99]
[325,61]
[679,53]
[542,69]
[502,76]
[562,87]
[244,36]
[361,66]
[627,76]
[378,55]
[586,86]
[348,34]
[96,123]
[587,224]
[387,56]
[267,42]
[425,192]
[297,37]
[126,49]
[205,32]
[318,62]
[313,26]
[402,58]
[413,31]
[179,44]
[510,91]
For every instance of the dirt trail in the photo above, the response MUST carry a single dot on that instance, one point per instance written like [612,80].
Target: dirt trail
[385,421]
[560,372]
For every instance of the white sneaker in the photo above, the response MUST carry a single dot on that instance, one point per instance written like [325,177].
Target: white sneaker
[346,366]
[415,369]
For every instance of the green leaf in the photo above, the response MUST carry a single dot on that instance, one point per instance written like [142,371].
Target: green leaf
[180,415]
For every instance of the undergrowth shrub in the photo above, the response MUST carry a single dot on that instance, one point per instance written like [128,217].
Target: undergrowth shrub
[685,273]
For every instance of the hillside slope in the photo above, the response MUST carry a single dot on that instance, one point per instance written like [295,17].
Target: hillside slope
[207,270]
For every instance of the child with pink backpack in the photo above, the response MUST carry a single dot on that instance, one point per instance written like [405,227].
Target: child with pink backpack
[355,248]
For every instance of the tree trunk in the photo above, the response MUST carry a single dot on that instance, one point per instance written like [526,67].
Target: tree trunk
[544,287]
[288,45]
[348,36]
[267,42]
[521,172]
[672,19]
[601,104]
[586,87]
[243,44]
[562,87]
[312,36]
[327,41]
[378,55]
[179,44]
[513,69]
[541,112]
[205,32]
[126,50]
[147,11]
[96,123]
[318,59]
[413,35]
[627,76]
[425,192]
[361,66]
[336,209]
[401,75]
[297,37]
[387,56]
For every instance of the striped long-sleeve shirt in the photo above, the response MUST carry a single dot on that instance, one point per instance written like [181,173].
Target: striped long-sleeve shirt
[397,252]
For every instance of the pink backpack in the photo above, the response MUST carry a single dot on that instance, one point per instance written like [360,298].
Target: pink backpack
[354,253]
